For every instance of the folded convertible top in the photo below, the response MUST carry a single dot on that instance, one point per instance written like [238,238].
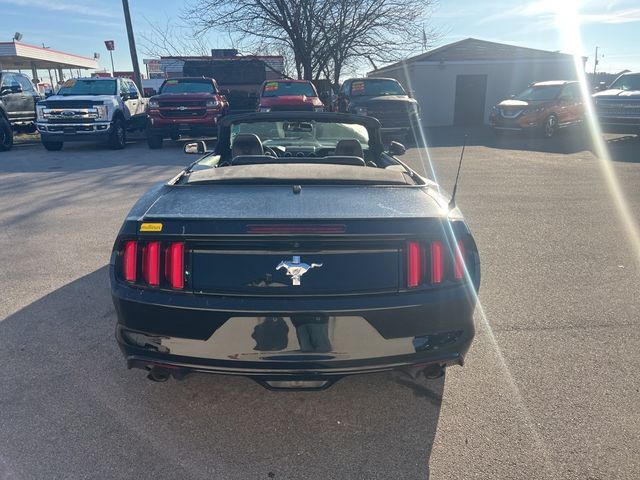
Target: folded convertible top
[300,173]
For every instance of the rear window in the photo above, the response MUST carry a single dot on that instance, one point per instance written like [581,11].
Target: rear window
[188,86]
[280,89]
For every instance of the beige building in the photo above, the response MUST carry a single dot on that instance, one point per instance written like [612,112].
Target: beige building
[457,84]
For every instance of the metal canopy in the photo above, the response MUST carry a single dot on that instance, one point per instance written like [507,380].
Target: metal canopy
[17,55]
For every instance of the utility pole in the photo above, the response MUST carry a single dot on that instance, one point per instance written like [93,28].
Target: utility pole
[132,45]
[113,69]
[595,63]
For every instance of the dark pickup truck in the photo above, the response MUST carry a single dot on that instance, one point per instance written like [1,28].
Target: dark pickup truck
[382,98]
[18,101]
[185,106]
[618,107]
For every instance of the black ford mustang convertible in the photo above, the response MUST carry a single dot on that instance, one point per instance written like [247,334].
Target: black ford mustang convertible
[297,252]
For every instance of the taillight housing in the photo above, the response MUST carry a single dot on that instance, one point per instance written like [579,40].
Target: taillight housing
[162,263]
[434,262]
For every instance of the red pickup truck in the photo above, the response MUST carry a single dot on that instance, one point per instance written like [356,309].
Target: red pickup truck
[189,106]
[289,95]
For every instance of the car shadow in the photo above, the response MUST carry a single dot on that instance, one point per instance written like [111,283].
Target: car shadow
[70,409]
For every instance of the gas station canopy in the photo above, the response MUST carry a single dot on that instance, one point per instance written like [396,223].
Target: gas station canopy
[17,55]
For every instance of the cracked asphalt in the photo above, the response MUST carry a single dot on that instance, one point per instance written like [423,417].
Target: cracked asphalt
[550,388]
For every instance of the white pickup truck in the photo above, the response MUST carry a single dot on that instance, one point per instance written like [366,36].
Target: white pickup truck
[91,109]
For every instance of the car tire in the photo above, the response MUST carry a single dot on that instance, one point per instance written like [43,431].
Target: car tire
[53,146]
[118,136]
[154,141]
[550,126]
[6,135]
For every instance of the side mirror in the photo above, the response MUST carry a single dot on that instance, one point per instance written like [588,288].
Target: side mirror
[48,92]
[195,147]
[133,96]
[397,149]
[412,93]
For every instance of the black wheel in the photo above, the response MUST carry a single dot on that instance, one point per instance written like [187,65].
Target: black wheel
[550,126]
[53,146]
[6,135]
[154,141]
[118,136]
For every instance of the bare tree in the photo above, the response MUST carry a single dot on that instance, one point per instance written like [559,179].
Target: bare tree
[169,39]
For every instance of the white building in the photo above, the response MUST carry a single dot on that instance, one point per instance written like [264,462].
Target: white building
[457,84]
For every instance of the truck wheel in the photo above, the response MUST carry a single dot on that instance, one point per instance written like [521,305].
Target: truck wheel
[53,146]
[154,141]
[118,137]
[550,126]
[6,135]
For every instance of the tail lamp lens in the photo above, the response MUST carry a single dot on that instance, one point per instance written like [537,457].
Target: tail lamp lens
[129,260]
[174,265]
[151,263]
[436,262]
[414,264]
[458,269]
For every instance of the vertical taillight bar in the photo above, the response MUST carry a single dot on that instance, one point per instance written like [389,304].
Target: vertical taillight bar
[129,260]
[174,265]
[458,268]
[151,263]
[436,262]
[414,264]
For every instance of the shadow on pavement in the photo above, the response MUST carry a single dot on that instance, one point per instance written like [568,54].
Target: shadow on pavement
[70,409]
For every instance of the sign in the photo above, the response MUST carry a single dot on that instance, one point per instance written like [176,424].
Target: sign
[110,44]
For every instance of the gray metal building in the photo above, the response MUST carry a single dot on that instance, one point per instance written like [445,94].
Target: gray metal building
[458,83]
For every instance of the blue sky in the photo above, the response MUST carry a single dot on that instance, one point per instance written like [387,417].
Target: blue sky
[81,26]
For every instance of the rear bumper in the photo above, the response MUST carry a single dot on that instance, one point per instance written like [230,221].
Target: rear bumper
[273,339]
[64,132]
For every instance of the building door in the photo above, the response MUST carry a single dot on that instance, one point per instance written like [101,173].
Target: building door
[471,91]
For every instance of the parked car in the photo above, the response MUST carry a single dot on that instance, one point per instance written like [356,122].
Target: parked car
[618,107]
[18,99]
[185,106]
[543,107]
[381,98]
[289,95]
[279,257]
[91,109]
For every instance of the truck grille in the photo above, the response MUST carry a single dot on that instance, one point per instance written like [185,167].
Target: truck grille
[390,114]
[193,103]
[199,112]
[618,108]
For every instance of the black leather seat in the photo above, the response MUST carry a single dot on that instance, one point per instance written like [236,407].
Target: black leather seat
[246,144]
[349,148]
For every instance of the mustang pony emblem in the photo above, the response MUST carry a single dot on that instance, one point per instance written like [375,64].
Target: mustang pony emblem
[295,269]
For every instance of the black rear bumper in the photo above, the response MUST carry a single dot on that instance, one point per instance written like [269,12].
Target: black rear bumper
[293,339]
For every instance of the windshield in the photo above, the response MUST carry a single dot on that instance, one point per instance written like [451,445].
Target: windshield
[376,87]
[279,89]
[627,82]
[533,94]
[88,87]
[188,86]
[306,133]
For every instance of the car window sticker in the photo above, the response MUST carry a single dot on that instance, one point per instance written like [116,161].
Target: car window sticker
[357,87]
[271,87]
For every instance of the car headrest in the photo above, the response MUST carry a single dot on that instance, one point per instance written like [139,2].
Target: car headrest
[246,144]
[349,148]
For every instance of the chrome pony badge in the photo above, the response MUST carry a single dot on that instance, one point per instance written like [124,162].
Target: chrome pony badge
[295,269]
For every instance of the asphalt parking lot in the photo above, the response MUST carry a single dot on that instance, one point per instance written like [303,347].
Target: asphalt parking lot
[550,388]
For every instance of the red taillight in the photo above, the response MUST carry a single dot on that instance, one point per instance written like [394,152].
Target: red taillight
[458,269]
[436,262]
[174,265]
[414,264]
[151,263]
[129,260]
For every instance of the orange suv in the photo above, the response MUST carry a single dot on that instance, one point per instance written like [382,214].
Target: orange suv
[542,107]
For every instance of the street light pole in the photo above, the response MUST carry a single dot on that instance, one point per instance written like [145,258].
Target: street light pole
[113,70]
[595,63]
[132,45]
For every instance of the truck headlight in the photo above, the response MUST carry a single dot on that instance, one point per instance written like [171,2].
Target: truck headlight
[264,109]
[413,108]
[212,104]
[360,110]
[154,104]
[40,112]
[102,112]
